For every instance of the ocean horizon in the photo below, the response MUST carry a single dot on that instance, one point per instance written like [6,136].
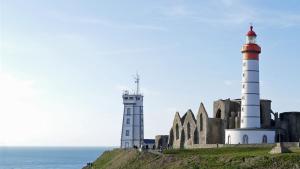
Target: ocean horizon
[48,157]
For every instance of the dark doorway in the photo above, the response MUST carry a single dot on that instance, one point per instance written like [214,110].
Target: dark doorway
[218,114]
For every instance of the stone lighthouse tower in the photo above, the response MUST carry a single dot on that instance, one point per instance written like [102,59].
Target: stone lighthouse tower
[133,123]
[250,131]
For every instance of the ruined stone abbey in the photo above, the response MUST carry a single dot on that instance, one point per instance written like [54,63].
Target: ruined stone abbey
[190,130]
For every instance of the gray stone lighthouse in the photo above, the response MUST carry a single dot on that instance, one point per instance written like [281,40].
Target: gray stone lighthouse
[133,123]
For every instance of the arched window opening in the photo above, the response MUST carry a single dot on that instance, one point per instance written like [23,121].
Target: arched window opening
[182,139]
[229,139]
[218,114]
[201,122]
[177,132]
[245,139]
[171,139]
[264,139]
[189,130]
[196,137]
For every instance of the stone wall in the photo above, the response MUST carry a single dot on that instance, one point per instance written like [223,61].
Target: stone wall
[215,128]
[202,124]
[161,141]
[177,132]
[290,124]
[189,127]
[265,113]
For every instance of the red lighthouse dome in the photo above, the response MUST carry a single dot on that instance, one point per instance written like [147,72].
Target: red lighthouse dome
[251,32]
[251,50]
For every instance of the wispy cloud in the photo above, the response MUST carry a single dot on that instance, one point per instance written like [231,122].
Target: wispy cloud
[106,22]
[125,51]
[232,12]
[137,50]
[119,24]
[176,11]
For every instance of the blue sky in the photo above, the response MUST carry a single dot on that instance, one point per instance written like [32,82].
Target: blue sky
[64,64]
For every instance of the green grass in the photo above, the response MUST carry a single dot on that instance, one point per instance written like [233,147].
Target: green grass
[229,158]
[220,151]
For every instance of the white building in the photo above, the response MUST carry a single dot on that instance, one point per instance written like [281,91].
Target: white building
[250,131]
[133,123]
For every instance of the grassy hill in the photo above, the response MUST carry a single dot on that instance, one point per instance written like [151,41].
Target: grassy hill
[230,158]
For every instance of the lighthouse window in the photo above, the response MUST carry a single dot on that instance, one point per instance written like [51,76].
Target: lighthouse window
[243,74]
[250,39]
[128,111]
[128,121]
[243,86]
[244,64]
[127,132]
[130,98]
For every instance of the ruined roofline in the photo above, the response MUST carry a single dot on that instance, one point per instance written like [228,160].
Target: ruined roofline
[291,112]
[186,115]
[238,99]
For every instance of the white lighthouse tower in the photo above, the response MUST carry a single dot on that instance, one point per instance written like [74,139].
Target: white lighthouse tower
[250,131]
[250,105]
[133,123]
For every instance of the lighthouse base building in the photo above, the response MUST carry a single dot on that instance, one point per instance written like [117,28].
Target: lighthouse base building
[249,136]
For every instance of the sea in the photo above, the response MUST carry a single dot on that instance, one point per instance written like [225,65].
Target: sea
[48,157]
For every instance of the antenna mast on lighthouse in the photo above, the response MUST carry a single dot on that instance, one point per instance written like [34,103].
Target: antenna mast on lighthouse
[137,81]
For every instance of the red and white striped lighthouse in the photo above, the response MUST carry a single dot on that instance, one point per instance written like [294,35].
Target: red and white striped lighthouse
[250,131]
[250,107]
